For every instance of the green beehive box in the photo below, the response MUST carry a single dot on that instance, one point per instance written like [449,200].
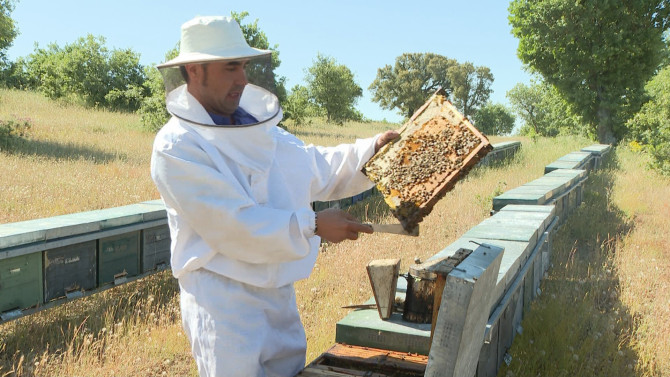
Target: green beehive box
[118,257]
[155,248]
[69,270]
[20,282]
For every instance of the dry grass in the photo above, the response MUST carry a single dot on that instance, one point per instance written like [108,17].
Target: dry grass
[605,304]
[73,160]
[76,160]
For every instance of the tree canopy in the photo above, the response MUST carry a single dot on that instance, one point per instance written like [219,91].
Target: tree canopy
[651,125]
[543,111]
[413,79]
[262,75]
[494,119]
[471,86]
[88,71]
[597,53]
[332,87]
[8,30]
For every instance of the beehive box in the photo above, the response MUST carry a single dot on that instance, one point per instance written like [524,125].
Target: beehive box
[118,257]
[346,360]
[155,248]
[69,269]
[21,282]
[436,148]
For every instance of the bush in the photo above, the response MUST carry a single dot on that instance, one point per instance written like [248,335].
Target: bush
[13,130]
[650,127]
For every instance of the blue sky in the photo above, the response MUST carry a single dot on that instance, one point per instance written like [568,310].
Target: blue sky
[364,35]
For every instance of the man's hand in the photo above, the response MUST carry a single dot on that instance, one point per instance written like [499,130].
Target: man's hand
[385,138]
[335,225]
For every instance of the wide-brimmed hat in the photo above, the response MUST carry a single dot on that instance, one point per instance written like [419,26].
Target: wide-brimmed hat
[212,38]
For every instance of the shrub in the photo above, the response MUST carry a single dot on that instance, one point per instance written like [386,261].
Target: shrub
[13,130]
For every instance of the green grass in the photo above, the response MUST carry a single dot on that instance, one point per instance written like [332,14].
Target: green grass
[603,308]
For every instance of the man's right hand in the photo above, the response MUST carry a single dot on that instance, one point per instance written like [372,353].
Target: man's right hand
[335,225]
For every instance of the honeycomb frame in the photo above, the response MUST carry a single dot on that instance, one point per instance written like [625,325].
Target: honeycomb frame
[437,147]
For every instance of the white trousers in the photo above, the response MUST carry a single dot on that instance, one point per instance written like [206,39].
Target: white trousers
[241,330]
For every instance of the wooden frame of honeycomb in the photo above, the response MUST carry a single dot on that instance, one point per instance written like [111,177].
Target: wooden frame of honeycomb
[437,147]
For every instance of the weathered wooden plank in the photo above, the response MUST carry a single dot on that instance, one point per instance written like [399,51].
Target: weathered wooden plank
[363,327]
[506,232]
[507,331]
[56,227]
[514,256]
[538,220]
[488,356]
[562,165]
[372,359]
[528,287]
[383,274]
[461,322]
[576,174]
[597,149]
[557,184]
[523,195]
[549,209]
[582,157]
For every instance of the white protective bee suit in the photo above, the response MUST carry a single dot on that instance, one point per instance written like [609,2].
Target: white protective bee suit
[238,204]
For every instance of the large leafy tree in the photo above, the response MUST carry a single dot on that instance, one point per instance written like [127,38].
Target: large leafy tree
[471,86]
[8,30]
[332,87]
[262,73]
[494,119]
[651,125]
[597,53]
[543,111]
[413,78]
[87,71]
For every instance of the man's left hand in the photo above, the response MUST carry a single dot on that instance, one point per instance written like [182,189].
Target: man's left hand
[385,138]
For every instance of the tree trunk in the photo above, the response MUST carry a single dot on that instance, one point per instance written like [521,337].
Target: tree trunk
[605,133]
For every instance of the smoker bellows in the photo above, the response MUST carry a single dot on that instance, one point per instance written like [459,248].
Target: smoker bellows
[436,148]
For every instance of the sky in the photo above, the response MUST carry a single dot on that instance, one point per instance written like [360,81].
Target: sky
[363,35]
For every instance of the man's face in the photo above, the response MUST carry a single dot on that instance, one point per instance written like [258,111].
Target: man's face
[218,86]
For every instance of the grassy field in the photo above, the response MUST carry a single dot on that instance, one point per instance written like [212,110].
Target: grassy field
[604,308]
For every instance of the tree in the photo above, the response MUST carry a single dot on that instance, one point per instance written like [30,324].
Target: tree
[411,81]
[494,119]
[651,125]
[87,71]
[8,32]
[298,105]
[598,54]
[263,72]
[543,111]
[333,88]
[471,86]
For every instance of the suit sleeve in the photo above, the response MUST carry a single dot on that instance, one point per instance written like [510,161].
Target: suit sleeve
[339,169]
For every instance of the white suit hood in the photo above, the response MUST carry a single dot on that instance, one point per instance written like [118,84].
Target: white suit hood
[261,104]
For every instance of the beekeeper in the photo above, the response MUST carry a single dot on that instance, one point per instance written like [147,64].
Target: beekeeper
[238,190]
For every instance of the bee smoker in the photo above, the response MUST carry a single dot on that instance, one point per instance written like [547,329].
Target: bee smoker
[425,283]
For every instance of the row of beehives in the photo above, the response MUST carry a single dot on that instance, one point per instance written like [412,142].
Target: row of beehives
[522,222]
[46,262]
[501,151]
